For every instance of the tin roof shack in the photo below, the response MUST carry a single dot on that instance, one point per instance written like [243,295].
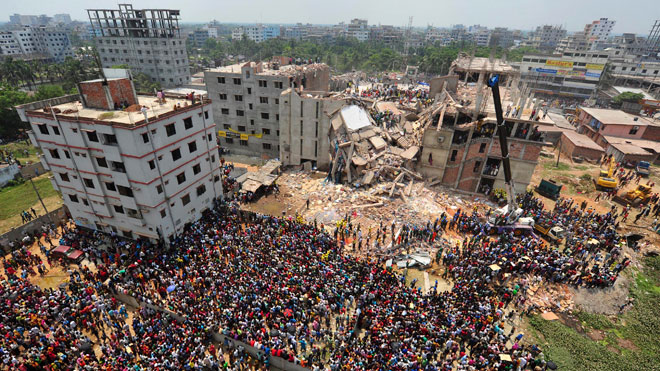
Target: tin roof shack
[632,150]
[579,145]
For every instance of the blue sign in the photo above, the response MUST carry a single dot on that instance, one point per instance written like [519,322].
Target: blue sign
[545,70]
[592,74]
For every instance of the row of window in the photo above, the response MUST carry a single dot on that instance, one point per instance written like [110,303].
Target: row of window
[262,83]
[145,42]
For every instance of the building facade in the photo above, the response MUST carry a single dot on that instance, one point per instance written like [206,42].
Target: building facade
[572,74]
[39,42]
[359,29]
[598,32]
[256,33]
[147,40]
[547,37]
[138,174]
[246,102]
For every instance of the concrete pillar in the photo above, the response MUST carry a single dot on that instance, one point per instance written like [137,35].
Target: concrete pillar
[479,100]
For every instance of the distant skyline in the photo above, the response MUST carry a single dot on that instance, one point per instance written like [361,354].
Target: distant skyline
[514,14]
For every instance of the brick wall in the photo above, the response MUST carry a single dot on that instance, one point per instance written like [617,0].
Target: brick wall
[652,132]
[532,152]
[569,149]
[96,96]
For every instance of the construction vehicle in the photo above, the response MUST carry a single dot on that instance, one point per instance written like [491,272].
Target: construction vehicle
[635,197]
[606,180]
[550,233]
[643,168]
[507,218]
[549,189]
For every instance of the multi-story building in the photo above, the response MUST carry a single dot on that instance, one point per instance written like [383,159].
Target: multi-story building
[389,35]
[573,73]
[29,20]
[139,174]
[36,43]
[246,101]
[547,37]
[482,37]
[199,37]
[257,33]
[359,29]
[305,120]
[62,18]
[598,32]
[147,40]
[502,37]
[653,40]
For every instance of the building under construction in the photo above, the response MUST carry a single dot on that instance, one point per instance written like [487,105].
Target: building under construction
[147,40]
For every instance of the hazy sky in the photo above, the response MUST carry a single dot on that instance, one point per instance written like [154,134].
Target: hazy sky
[519,14]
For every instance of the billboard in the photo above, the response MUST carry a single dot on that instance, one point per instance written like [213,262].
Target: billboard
[564,64]
[592,74]
[545,70]
[595,66]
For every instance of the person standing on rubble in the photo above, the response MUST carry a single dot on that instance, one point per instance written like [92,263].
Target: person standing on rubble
[508,110]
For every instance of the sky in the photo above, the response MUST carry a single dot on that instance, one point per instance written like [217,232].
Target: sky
[515,14]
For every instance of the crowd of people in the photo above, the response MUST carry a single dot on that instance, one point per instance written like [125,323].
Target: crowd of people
[291,290]
[394,93]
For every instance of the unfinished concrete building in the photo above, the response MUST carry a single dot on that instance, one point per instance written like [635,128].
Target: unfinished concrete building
[304,126]
[247,98]
[148,40]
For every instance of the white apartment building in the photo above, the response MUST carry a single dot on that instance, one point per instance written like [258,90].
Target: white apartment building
[147,40]
[246,101]
[547,37]
[256,33]
[598,31]
[36,43]
[138,174]
[359,29]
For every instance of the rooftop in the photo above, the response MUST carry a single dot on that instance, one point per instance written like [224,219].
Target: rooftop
[269,69]
[130,116]
[465,62]
[630,149]
[581,140]
[615,117]
[642,143]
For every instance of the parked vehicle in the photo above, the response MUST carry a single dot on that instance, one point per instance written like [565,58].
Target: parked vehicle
[635,197]
[550,233]
[67,253]
[549,189]
[643,168]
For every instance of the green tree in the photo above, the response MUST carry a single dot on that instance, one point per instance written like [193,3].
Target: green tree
[49,91]
[10,122]
[144,84]
[627,97]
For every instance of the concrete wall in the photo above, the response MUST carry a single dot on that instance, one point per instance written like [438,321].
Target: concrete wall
[436,84]
[8,173]
[435,143]
[622,157]
[32,170]
[570,149]
[58,216]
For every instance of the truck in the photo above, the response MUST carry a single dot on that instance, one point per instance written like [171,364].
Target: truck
[643,168]
[549,189]
[549,232]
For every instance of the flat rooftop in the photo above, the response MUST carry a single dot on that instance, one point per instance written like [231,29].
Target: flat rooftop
[581,140]
[76,110]
[482,64]
[267,69]
[615,117]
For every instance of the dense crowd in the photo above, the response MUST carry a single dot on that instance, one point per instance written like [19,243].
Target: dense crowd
[288,289]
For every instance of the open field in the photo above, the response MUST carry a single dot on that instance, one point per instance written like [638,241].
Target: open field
[15,199]
[19,148]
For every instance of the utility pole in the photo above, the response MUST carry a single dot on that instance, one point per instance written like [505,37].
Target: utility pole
[558,152]
[40,200]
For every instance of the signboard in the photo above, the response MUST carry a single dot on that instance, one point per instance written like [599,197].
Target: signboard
[592,74]
[544,70]
[595,66]
[564,64]
[244,137]
[222,133]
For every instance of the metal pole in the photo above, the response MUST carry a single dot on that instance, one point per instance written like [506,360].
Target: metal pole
[40,200]
[558,153]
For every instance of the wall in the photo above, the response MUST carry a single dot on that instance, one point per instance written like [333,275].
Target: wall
[33,169]
[436,84]
[58,216]
[652,132]
[8,173]
[97,95]
[435,143]
[570,150]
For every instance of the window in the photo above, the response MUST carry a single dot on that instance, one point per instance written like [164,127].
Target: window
[110,186]
[88,183]
[241,128]
[301,109]
[238,98]
[185,200]
[118,209]
[152,164]
[66,153]
[477,165]
[196,169]
[54,153]
[110,139]
[73,198]
[229,140]
[317,109]
[249,105]
[176,154]
[84,201]
[125,191]
[206,114]
[43,129]
[277,101]
[633,130]
[192,146]
[265,115]
[145,137]
[181,177]
[263,83]
[118,166]
[278,84]
[240,112]
[237,81]
[225,111]
[213,158]
[453,155]
[244,142]
[209,137]
[170,129]
[64,177]
[265,145]
[221,80]
[277,117]
[56,131]
[249,90]
[187,123]
[200,190]
[263,100]
[159,189]
[265,131]
[91,135]
[482,147]
[223,96]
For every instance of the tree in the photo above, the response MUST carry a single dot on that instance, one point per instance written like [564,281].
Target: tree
[10,122]
[49,91]
[143,83]
[628,97]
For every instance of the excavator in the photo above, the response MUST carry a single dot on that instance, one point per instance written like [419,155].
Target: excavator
[606,180]
[507,218]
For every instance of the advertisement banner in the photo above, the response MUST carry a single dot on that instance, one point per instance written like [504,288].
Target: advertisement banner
[565,64]
[595,66]
[592,74]
[545,70]
[244,137]
[222,133]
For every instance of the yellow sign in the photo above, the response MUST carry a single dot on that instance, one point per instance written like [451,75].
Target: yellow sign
[244,137]
[565,64]
[595,66]
[222,133]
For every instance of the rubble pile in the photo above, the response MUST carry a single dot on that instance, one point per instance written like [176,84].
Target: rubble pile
[556,298]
